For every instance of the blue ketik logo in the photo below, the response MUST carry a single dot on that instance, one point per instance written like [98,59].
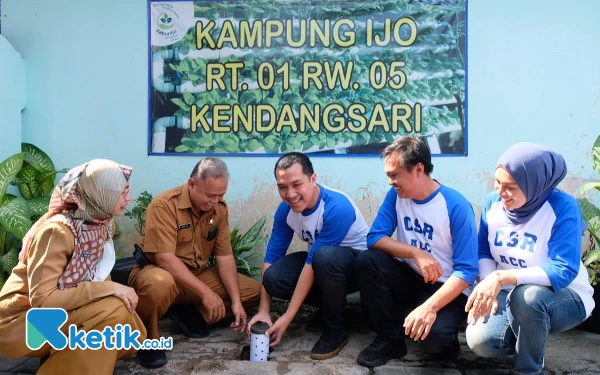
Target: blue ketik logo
[43,325]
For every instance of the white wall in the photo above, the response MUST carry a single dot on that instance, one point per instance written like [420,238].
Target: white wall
[12,98]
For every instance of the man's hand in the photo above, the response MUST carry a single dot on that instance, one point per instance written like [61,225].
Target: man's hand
[429,267]
[483,300]
[127,295]
[259,317]
[278,329]
[418,323]
[240,316]
[214,304]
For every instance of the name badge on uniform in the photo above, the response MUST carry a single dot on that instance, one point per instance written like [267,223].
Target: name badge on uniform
[185,226]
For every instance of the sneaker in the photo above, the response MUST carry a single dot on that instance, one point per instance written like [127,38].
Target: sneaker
[315,322]
[189,320]
[152,358]
[380,351]
[329,344]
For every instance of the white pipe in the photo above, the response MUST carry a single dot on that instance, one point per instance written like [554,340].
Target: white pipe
[159,130]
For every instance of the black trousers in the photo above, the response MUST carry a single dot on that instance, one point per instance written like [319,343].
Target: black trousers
[390,289]
[333,268]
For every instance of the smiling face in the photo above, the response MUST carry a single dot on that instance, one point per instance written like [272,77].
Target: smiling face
[296,189]
[404,181]
[205,194]
[506,187]
[122,202]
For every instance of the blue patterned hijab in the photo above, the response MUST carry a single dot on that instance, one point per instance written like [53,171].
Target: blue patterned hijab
[537,169]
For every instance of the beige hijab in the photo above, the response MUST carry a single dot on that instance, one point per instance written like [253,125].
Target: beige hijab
[84,200]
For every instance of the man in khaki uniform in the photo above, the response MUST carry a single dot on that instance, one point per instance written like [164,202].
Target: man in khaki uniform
[184,226]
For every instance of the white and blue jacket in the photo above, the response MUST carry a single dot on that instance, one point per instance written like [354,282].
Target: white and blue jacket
[333,221]
[443,225]
[550,239]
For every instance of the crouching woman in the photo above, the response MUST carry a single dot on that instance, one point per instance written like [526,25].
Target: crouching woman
[532,279]
[65,263]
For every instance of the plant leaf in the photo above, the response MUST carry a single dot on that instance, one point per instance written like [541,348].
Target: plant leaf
[252,234]
[15,217]
[596,155]
[234,237]
[47,185]
[31,186]
[37,158]
[9,260]
[591,215]
[7,198]
[590,185]
[591,257]
[9,169]
[38,206]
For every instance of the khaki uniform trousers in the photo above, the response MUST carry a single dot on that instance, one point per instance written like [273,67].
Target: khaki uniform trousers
[157,291]
[106,312]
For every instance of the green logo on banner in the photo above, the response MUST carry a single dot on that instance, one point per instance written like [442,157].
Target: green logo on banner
[164,21]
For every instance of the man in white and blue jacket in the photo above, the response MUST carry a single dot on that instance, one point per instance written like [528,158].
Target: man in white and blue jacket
[335,232]
[417,284]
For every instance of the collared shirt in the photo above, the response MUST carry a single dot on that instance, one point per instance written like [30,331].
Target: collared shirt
[173,227]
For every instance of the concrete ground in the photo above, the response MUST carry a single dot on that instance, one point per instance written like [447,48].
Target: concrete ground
[572,352]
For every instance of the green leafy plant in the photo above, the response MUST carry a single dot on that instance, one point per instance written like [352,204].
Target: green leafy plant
[33,173]
[242,245]
[591,214]
[138,212]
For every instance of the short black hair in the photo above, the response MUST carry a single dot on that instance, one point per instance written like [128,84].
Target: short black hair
[292,158]
[209,167]
[412,151]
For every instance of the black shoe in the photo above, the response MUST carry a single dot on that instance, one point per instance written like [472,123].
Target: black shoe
[329,344]
[189,320]
[380,351]
[152,358]
[315,322]
[448,354]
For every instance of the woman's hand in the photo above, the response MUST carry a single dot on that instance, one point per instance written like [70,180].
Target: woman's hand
[483,299]
[127,295]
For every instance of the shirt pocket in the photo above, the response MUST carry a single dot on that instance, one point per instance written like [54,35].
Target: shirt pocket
[185,235]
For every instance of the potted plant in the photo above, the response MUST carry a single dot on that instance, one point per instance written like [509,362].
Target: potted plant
[33,173]
[591,257]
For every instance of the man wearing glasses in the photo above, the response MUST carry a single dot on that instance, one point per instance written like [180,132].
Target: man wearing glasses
[184,226]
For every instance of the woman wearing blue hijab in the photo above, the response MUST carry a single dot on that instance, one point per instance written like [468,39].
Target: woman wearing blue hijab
[532,281]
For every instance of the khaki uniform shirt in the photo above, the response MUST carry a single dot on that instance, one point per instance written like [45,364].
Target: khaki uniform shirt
[173,227]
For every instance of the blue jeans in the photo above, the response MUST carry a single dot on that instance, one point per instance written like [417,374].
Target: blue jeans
[521,325]
[333,268]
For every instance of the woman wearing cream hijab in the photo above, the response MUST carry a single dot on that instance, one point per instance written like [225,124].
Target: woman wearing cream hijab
[65,263]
